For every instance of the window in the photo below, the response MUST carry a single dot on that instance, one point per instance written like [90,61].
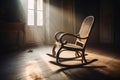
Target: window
[35,12]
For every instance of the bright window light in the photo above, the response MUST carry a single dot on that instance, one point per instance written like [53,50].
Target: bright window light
[35,12]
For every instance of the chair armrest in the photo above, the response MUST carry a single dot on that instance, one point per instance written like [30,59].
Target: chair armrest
[78,35]
[83,37]
[57,34]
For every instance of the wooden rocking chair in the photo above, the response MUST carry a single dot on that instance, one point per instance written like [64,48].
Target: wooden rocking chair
[80,43]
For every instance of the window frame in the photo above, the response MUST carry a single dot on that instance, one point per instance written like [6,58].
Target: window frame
[35,15]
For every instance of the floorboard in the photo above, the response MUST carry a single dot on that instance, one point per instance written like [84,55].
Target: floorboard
[35,64]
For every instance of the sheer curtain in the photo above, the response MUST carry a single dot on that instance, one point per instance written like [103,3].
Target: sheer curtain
[60,16]
[57,17]
[48,32]
[23,10]
[53,19]
[35,33]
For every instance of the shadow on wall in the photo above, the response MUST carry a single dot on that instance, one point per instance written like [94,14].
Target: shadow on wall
[11,11]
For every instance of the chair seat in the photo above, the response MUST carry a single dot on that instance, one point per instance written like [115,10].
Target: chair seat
[70,45]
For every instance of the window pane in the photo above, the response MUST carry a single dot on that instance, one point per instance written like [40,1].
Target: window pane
[30,4]
[30,17]
[39,4]
[39,18]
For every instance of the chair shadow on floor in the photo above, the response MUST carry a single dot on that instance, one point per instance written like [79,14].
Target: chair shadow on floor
[68,67]
[83,71]
[77,65]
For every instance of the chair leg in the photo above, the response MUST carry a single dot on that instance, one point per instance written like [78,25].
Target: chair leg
[83,57]
[77,54]
[53,50]
[57,55]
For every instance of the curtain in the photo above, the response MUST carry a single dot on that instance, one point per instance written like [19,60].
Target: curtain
[57,17]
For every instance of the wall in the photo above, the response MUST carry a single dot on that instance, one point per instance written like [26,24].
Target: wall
[10,11]
[67,15]
[116,13]
[85,8]
[12,35]
[106,25]
[11,24]
[60,17]
[106,22]
[54,19]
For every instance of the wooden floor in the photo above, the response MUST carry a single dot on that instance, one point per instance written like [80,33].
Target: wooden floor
[35,64]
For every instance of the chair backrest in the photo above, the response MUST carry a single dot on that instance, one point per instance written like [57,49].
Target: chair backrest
[85,29]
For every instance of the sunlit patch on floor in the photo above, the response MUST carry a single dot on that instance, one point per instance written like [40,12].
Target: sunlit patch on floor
[33,71]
